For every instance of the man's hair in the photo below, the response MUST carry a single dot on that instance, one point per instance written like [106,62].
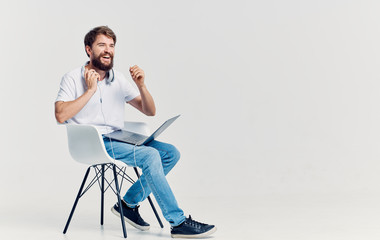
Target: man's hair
[90,37]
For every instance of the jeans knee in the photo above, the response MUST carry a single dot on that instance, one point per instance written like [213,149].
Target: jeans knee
[176,155]
[172,155]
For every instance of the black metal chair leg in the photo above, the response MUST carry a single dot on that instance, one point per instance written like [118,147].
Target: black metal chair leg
[155,212]
[102,199]
[150,202]
[76,200]
[119,200]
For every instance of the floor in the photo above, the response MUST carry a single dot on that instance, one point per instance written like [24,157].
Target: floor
[267,217]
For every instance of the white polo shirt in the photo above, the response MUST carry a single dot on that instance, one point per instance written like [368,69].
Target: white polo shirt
[110,97]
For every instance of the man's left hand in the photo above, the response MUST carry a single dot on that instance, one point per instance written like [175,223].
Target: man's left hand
[137,75]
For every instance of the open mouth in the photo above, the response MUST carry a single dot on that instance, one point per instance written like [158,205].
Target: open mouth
[107,58]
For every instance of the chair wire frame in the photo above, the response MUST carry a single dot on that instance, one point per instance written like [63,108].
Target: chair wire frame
[98,177]
[104,184]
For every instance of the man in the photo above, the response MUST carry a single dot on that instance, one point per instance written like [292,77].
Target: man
[96,94]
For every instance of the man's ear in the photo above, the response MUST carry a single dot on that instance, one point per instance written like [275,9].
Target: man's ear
[88,50]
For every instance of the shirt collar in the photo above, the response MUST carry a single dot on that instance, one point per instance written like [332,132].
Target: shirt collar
[109,75]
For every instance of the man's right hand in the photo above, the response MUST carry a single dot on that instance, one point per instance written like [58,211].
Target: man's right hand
[91,77]
[67,110]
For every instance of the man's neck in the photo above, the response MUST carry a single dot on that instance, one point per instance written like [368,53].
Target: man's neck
[101,72]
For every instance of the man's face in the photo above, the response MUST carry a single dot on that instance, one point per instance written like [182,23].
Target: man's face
[101,53]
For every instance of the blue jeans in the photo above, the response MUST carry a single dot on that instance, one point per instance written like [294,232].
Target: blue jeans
[155,159]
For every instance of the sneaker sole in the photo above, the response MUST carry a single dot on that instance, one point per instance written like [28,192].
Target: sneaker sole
[201,235]
[142,228]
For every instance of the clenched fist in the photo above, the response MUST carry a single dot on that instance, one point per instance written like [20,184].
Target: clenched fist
[137,75]
[92,78]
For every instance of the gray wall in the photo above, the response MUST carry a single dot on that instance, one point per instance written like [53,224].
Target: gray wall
[275,96]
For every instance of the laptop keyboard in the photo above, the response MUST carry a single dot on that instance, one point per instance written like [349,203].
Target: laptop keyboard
[134,137]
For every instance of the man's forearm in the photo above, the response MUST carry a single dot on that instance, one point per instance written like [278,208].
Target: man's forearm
[66,110]
[147,102]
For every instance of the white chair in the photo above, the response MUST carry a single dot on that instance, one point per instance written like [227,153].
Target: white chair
[86,146]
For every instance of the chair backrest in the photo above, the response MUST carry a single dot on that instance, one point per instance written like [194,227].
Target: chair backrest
[86,144]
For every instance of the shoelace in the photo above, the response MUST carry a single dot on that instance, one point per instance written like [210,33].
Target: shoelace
[194,223]
[136,209]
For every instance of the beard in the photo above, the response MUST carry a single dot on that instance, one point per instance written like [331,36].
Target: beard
[96,62]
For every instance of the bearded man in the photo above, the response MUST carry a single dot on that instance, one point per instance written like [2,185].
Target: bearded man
[96,94]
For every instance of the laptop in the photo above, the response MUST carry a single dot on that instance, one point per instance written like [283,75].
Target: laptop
[139,139]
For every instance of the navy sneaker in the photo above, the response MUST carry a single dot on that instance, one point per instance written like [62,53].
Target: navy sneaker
[131,216]
[192,229]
